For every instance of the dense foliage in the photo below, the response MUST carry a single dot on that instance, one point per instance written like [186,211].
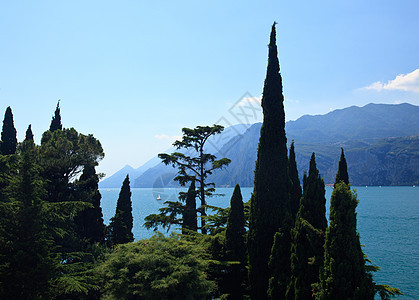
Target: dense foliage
[26,262]
[157,268]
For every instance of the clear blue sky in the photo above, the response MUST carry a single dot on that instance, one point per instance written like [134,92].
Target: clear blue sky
[133,73]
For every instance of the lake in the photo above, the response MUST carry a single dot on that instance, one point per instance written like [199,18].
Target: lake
[388,223]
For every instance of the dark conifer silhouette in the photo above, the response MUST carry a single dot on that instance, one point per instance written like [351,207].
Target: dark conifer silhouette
[56,119]
[120,227]
[235,246]
[270,203]
[8,134]
[344,274]
[189,212]
[29,134]
[295,190]
[342,174]
[308,236]
[89,222]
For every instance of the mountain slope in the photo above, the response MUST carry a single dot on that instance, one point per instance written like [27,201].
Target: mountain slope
[356,129]
[379,142]
[371,122]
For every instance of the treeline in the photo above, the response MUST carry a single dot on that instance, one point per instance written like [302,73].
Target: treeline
[277,245]
[51,225]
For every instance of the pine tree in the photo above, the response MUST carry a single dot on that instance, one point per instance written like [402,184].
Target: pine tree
[344,275]
[29,134]
[197,167]
[189,212]
[8,134]
[308,236]
[295,190]
[120,227]
[270,202]
[235,246]
[56,119]
[342,174]
[89,222]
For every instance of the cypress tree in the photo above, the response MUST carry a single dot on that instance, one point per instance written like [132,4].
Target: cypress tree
[189,213]
[342,174]
[29,134]
[8,134]
[120,227]
[56,119]
[270,202]
[344,275]
[295,190]
[89,222]
[308,236]
[235,246]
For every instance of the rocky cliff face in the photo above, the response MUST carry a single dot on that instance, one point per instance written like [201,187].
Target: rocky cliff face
[393,161]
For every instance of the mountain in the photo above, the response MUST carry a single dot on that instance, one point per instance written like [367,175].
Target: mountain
[368,123]
[115,181]
[380,142]
[368,134]
[391,161]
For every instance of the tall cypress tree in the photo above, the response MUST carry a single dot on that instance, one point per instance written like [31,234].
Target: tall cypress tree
[8,134]
[295,190]
[89,222]
[235,246]
[308,236]
[29,134]
[120,227]
[189,212]
[270,202]
[342,174]
[344,275]
[56,119]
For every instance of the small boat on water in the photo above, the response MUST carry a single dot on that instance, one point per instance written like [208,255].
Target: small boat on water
[158,197]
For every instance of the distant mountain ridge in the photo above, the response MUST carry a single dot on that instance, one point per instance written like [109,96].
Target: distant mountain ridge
[370,122]
[380,141]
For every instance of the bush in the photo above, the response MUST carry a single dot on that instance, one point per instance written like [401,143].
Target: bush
[157,268]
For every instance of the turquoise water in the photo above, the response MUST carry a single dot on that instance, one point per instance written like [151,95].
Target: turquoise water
[388,223]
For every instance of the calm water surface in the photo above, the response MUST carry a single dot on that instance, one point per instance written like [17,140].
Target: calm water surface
[388,223]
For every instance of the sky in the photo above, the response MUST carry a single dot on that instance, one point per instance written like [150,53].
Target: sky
[134,73]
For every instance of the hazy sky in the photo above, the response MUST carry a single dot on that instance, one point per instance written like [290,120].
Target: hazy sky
[133,73]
